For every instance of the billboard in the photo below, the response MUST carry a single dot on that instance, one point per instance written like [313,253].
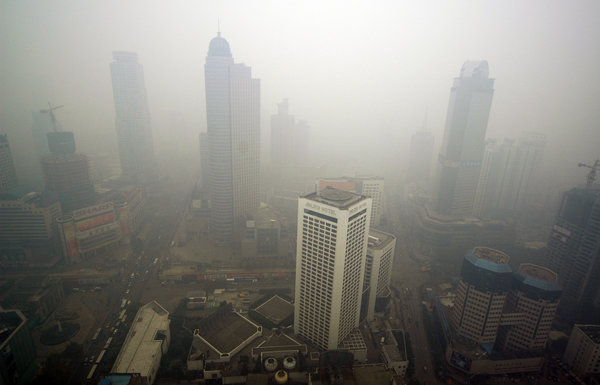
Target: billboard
[69,239]
[92,211]
[90,223]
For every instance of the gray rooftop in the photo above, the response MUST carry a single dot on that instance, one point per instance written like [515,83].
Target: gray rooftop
[378,239]
[335,197]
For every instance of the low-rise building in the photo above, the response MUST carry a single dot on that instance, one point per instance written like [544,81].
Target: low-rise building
[583,350]
[147,341]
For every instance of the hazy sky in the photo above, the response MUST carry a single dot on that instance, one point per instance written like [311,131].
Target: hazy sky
[361,72]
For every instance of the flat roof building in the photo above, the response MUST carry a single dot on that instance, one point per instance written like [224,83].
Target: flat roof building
[333,228]
[17,352]
[147,341]
[378,269]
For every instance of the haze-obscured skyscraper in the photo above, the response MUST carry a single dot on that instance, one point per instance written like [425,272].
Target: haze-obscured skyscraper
[420,156]
[233,128]
[494,171]
[132,118]
[66,173]
[462,148]
[8,175]
[574,253]
[289,139]
[333,228]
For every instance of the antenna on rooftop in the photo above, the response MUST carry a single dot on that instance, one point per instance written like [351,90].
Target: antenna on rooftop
[218,26]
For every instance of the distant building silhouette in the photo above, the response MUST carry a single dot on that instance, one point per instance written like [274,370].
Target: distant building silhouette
[233,129]
[8,174]
[462,148]
[132,118]
[420,157]
[333,228]
[574,253]
[289,139]
[66,173]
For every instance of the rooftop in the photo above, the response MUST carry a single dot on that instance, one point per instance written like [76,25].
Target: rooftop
[226,332]
[491,255]
[372,375]
[275,309]
[592,331]
[143,341]
[379,239]
[475,69]
[335,197]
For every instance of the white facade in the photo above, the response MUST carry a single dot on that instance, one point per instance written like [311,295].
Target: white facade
[333,228]
[378,270]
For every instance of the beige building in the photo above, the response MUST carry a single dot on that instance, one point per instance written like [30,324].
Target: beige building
[378,269]
[480,295]
[583,351]
[333,228]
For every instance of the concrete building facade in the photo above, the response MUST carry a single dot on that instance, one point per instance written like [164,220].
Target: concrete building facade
[462,147]
[378,268]
[132,118]
[583,350]
[233,129]
[333,228]
[573,253]
[8,174]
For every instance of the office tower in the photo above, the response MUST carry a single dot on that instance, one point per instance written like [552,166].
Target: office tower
[289,139]
[462,148]
[522,166]
[573,248]
[378,270]
[8,175]
[529,310]
[485,282]
[42,126]
[583,350]
[420,156]
[233,128]
[132,118]
[494,171]
[66,173]
[204,160]
[371,186]
[333,228]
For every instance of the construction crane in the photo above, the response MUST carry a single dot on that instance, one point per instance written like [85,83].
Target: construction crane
[591,177]
[50,111]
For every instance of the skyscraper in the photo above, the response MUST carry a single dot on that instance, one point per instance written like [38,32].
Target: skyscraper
[378,269]
[233,128]
[420,156]
[66,173]
[494,171]
[371,186]
[333,228]
[132,118]
[462,148]
[8,175]
[289,139]
[574,253]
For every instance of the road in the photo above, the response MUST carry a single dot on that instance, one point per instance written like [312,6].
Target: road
[137,273]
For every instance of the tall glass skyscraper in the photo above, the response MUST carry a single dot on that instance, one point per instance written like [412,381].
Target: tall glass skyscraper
[233,129]
[462,148]
[134,132]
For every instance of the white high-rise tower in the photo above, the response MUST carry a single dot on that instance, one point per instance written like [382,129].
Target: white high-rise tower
[333,228]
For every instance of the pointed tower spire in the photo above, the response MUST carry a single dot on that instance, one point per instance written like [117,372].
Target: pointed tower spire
[218,26]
